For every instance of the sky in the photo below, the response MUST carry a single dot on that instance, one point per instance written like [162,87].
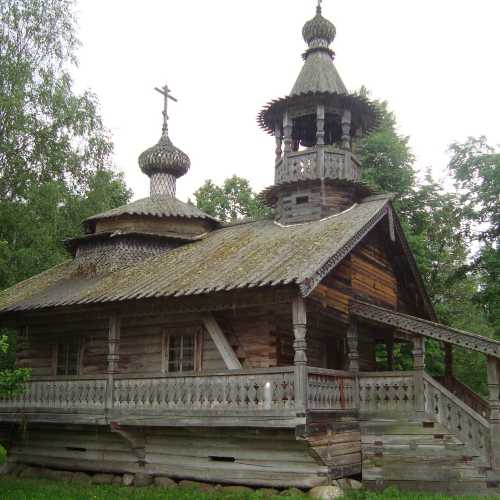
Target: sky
[434,61]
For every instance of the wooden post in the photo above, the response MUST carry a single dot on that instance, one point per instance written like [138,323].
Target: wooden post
[448,361]
[352,345]
[353,356]
[299,315]
[279,141]
[419,367]
[287,133]
[494,401]
[390,353]
[113,357]
[346,130]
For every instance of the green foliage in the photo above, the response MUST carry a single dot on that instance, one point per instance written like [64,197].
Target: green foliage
[54,149]
[11,379]
[3,454]
[234,200]
[26,489]
[386,155]
[475,167]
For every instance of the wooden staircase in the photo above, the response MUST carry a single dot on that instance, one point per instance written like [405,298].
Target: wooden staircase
[444,451]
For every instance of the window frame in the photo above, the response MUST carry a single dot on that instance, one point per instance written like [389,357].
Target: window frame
[197,335]
[79,346]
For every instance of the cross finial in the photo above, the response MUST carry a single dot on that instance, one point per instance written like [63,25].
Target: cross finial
[318,8]
[165,92]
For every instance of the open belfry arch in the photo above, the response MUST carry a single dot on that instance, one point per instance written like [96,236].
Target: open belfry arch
[172,344]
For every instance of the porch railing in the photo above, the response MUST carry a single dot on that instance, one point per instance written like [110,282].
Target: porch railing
[470,427]
[387,392]
[331,389]
[269,389]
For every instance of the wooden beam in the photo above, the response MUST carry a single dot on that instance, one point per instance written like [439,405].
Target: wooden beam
[220,341]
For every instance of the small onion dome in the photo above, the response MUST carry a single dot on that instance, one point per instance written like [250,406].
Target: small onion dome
[164,157]
[319,28]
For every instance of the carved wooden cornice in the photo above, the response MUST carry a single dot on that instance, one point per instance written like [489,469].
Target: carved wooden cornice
[418,326]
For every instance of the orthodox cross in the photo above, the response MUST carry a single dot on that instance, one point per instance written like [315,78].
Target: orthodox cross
[165,92]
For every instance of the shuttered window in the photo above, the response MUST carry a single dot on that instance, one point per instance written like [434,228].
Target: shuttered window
[68,358]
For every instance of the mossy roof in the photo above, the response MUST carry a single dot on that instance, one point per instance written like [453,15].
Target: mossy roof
[251,254]
[158,206]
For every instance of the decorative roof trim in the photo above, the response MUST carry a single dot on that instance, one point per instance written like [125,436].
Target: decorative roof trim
[279,224]
[279,105]
[308,284]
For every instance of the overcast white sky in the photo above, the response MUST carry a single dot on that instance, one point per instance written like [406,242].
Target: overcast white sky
[435,61]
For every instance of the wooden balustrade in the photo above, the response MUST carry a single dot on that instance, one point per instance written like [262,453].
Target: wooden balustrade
[261,389]
[63,394]
[387,392]
[271,389]
[470,427]
[465,394]
[331,390]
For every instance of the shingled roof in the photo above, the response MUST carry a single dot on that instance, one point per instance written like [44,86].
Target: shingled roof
[253,254]
[158,206]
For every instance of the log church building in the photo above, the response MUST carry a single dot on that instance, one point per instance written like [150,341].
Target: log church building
[261,352]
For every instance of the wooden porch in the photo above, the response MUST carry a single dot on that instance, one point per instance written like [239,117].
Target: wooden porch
[259,397]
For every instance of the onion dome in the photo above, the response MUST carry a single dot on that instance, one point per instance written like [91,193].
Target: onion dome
[164,157]
[319,28]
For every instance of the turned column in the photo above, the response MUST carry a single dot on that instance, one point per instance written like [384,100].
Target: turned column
[278,137]
[352,346]
[299,316]
[494,401]
[353,356]
[112,358]
[346,130]
[419,367]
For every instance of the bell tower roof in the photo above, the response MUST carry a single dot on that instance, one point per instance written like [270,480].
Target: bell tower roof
[319,73]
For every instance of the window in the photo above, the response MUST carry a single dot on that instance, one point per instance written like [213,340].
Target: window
[301,200]
[180,353]
[68,358]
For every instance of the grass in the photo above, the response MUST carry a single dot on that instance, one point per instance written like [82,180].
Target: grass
[41,489]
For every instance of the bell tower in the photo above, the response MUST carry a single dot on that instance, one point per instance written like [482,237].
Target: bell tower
[316,173]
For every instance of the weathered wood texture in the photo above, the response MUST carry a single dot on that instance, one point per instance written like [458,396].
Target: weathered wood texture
[419,456]
[260,458]
[465,394]
[335,441]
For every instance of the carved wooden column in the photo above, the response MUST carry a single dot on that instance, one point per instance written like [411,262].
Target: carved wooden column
[390,353]
[494,401]
[346,130]
[419,367]
[448,361]
[279,141]
[287,133]
[299,315]
[352,346]
[113,357]
[353,356]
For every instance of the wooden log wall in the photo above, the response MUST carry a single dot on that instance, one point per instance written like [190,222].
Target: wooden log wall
[373,276]
[335,441]
[255,457]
